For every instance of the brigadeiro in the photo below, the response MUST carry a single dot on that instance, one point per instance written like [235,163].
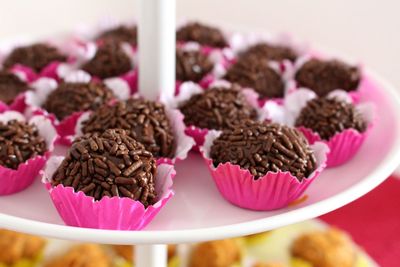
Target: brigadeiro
[217,108]
[11,86]
[110,181]
[202,34]
[110,60]
[333,120]
[119,34]
[36,56]
[258,74]
[24,149]
[261,165]
[192,65]
[329,116]
[325,76]
[70,97]
[269,52]
[144,120]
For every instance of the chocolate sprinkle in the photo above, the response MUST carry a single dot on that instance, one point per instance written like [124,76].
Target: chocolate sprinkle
[202,34]
[269,52]
[328,116]
[146,121]
[11,86]
[74,97]
[36,56]
[19,141]
[110,164]
[255,73]
[120,34]
[110,61]
[217,108]
[325,76]
[261,147]
[192,65]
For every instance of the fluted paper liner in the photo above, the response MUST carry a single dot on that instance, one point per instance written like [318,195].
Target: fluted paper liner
[115,213]
[344,145]
[13,181]
[274,190]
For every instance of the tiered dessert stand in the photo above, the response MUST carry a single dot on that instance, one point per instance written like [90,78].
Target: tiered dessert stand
[197,212]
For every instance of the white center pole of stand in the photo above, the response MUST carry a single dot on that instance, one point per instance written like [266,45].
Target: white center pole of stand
[151,256]
[156,29]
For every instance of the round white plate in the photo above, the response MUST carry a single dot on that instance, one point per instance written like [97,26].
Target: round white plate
[197,212]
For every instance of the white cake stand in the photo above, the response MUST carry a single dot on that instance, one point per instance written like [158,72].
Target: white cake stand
[197,212]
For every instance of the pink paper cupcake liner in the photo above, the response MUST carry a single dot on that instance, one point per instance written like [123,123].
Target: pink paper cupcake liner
[344,145]
[273,191]
[13,181]
[77,209]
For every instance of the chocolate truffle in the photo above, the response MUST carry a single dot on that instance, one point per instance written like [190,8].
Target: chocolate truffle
[261,147]
[36,56]
[110,60]
[256,73]
[325,76]
[144,120]
[19,141]
[202,34]
[109,164]
[328,116]
[192,65]
[74,97]
[217,108]
[10,87]
[269,52]
[120,34]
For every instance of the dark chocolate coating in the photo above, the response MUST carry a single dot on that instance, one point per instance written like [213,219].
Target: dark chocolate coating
[146,121]
[11,86]
[74,97]
[36,56]
[269,52]
[19,141]
[217,108]
[330,116]
[192,65]
[256,73]
[261,147]
[325,76]
[110,61]
[120,34]
[202,34]
[109,164]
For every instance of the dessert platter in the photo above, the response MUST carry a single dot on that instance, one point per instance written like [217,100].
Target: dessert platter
[256,131]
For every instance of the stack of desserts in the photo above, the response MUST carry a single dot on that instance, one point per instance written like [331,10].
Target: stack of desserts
[121,148]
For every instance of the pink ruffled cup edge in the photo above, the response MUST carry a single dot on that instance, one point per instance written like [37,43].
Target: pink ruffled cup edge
[239,187]
[73,207]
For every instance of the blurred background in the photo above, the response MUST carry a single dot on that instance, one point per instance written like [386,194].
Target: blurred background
[365,29]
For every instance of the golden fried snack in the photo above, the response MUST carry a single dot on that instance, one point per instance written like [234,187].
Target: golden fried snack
[85,255]
[259,264]
[221,253]
[330,248]
[15,246]
[127,252]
